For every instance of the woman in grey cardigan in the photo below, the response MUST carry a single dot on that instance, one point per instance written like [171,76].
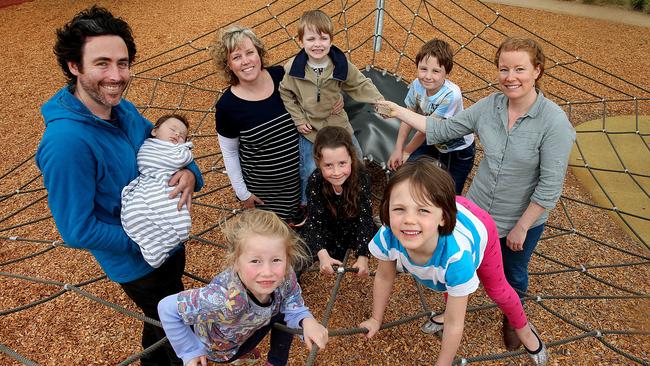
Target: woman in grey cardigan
[526,140]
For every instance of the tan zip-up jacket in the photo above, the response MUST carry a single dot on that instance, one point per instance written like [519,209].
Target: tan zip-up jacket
[309,98]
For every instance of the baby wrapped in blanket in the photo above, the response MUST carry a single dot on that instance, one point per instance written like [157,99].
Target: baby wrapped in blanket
[148,215]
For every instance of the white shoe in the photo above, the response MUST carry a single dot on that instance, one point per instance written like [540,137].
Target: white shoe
[540,357]
[431,326]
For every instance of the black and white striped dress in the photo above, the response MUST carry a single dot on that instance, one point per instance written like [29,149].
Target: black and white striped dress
[149,217]
[267,143]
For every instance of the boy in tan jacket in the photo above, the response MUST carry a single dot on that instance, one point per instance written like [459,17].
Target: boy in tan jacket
[312,84]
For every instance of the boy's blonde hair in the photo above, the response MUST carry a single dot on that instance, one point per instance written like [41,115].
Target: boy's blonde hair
[263,223]
[317,21]
[226,42]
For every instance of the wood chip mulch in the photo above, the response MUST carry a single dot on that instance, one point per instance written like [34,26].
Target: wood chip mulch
[71,329]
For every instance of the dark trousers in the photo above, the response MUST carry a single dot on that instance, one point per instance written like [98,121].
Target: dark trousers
[515,264]
[280,342]
[457,163]
[146,292]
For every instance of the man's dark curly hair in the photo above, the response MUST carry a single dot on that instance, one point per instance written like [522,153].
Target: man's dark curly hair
[94,21]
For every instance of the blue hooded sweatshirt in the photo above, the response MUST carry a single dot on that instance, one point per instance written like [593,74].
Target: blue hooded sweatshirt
[85,162]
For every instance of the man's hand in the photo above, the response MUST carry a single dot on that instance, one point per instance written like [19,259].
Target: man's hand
[184,181]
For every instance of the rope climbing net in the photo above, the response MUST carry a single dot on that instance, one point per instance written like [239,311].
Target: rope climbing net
[587,275]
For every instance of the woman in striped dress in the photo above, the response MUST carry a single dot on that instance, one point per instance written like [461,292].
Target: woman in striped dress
[258,139]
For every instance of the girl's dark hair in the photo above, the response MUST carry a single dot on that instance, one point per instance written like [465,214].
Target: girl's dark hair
[94,21]
[430,184]
[178,116]
[332,137]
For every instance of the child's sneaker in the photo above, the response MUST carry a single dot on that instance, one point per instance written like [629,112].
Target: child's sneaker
[431,326]
[540,356]
[249,358]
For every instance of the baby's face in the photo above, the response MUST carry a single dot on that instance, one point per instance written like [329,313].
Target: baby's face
[172,130]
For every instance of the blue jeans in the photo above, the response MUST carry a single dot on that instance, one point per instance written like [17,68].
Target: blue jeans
[308,164]
[515,264]
[458,163]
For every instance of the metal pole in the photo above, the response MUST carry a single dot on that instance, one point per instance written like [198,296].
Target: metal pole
[379,25]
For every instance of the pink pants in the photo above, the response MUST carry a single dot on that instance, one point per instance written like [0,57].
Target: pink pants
[490,272]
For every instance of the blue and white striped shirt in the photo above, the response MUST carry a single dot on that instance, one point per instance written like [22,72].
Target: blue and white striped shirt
[452,266]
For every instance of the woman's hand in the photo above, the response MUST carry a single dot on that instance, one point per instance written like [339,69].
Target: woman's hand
[372,325]
[361,264]
[516,237]
[305,129]
[326,262]
[251,201]
[314,332]
[387,108]
[201,360]
[184,181]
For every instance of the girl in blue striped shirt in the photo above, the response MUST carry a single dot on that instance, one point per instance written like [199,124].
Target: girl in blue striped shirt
[448,244]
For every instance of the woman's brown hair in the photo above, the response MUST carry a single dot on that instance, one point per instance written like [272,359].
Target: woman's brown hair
[534,50]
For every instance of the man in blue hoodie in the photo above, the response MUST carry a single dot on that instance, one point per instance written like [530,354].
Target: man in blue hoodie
[88,154]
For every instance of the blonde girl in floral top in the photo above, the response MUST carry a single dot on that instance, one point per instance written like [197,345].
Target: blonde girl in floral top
[234,312]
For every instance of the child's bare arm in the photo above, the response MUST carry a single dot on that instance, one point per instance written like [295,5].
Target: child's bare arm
[453,331]
[418,139]
[381,289]
[397,157]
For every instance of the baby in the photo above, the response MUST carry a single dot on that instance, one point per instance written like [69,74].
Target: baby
[149,216]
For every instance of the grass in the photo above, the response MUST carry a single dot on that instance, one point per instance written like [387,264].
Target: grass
[639,5]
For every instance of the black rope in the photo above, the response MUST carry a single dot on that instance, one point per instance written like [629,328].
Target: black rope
[176,63]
